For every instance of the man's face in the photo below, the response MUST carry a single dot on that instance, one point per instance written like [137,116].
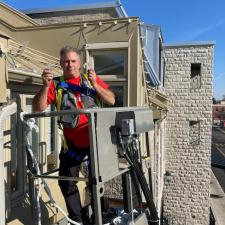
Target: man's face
[70,64]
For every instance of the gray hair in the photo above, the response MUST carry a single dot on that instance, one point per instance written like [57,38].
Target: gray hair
[66,49]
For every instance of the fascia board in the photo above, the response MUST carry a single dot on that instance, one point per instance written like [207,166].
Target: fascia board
[71,24]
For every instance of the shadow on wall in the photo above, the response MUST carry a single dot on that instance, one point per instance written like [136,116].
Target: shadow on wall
[21,213]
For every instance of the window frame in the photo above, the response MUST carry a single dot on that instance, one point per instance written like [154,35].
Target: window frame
[122,77]
[112,79]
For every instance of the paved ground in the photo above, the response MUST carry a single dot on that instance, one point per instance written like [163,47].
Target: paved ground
[217,201]
[218,155]
[218,175]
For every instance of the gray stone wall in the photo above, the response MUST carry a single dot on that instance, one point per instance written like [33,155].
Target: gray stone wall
[186,196]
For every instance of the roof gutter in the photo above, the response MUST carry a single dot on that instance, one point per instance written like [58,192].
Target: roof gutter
[4,113]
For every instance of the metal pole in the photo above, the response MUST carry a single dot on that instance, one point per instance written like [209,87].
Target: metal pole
[94,171]
[81,111]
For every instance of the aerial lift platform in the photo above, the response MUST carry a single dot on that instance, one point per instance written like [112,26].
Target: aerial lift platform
[114,134]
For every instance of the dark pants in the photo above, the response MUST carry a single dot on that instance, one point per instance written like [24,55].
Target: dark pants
[70,166]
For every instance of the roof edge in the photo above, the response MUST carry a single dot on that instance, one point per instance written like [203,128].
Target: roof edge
[71,7]
[84,23]
[18,13]
[189,44]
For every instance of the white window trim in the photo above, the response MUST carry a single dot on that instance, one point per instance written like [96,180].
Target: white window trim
[105,46]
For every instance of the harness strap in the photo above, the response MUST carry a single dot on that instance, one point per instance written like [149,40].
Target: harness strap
[84,79]
[65,98]
[72,153]
[58,93]
[82,89]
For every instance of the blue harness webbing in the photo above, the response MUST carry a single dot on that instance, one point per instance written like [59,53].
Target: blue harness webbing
[82,89]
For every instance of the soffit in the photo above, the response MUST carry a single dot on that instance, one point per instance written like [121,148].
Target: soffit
[14,18]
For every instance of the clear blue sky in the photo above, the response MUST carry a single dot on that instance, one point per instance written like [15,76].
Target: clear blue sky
[180,21]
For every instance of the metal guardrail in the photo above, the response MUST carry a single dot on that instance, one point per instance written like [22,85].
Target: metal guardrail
[104,158]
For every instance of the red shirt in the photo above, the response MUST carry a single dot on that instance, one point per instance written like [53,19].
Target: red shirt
[78,136]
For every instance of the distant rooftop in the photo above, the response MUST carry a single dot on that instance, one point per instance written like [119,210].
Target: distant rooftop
[98,5]
[198,43]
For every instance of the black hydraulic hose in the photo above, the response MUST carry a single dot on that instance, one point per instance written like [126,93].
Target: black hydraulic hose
[154,219]
[147,193]
[136,186]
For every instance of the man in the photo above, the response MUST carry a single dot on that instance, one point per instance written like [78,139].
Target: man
[76,139]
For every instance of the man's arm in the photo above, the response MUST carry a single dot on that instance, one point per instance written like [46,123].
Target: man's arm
[105,94]
[39,102]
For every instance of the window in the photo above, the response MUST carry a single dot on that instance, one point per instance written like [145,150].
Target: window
[194,132]
[120,91]
[195,75]
[110,62]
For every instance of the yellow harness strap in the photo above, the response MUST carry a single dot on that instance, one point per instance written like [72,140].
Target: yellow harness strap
[85,77]
[59,92]
[65,146]
[59,96]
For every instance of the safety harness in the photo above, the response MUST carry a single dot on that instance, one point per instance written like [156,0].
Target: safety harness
[66,100]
